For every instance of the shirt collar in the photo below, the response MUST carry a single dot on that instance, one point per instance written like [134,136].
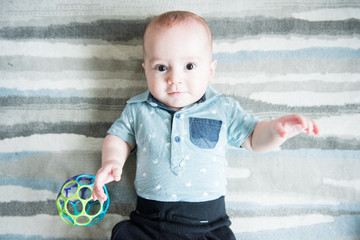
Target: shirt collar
[156,103]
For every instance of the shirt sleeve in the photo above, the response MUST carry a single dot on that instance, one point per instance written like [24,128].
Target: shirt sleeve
[241,125]
[123,127]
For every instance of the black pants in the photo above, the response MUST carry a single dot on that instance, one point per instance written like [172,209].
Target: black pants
[175,220]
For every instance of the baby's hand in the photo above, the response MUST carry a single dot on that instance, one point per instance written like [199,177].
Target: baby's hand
[292,125]
[110,171]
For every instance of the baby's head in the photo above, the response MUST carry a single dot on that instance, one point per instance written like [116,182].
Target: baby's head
[178,58]
[174,18]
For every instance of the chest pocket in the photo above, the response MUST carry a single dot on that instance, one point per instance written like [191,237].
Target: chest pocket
[204,132]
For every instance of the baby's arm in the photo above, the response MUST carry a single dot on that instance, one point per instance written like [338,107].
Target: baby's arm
[269,135]
[114,154]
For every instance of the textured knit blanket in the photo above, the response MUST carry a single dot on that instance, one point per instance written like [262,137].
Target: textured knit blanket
[68,67]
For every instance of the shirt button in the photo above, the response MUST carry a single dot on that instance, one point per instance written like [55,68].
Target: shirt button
[177,139]
[178,115]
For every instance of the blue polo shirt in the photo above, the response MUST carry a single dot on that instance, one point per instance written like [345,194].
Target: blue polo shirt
[181,155]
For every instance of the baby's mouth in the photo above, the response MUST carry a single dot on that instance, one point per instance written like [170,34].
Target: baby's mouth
[175,93]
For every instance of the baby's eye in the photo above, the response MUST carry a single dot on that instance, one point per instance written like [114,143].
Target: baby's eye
[161,68]
[190,66]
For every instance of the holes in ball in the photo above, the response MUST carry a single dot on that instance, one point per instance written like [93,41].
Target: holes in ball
[85,193]
[74,207]
[70,189]
[93,208]
[82,220]
[95,220]
[68,219]
[85,180]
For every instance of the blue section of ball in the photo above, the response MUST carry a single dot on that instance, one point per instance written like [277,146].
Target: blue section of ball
[75,203]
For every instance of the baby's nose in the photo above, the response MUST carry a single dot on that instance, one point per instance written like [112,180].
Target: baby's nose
[174,79]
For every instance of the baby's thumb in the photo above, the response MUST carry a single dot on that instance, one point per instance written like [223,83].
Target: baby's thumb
[116,174]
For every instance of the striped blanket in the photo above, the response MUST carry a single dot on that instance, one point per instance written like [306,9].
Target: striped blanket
[68,67]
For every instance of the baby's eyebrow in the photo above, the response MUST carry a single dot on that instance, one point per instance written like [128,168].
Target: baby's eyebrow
[185,60]
[154,60]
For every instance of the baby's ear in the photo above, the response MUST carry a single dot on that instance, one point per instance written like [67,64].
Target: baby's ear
[143,65]
[212,68]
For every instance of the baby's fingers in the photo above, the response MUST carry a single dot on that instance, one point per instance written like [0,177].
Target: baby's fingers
[314,128]
[292,130]
[295,124]
[100,181]
[307,124]
[310,126]
[98,193]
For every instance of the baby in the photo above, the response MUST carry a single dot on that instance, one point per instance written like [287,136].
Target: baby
[181,128]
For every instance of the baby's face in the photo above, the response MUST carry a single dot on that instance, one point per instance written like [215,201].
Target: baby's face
[178,63]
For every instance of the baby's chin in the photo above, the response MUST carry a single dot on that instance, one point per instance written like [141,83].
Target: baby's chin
[177,107]
[178,100]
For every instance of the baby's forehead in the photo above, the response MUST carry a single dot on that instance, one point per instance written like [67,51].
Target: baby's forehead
[192,27]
